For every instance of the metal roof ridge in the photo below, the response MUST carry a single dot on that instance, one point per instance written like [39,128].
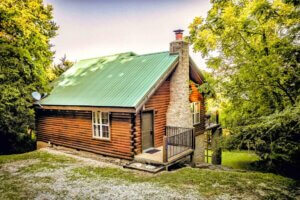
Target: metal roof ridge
[131,53]
[128,52]
[160,52]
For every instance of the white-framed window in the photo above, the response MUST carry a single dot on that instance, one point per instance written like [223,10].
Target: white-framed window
[195,109]
[101,127]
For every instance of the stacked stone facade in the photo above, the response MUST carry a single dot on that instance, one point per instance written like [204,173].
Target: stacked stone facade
[179,112]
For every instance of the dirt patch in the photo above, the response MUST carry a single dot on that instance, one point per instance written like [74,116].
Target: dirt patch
[88,158]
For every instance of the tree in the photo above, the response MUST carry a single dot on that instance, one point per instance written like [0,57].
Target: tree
[252,47]
[55,70]
[26,28]
[64,65]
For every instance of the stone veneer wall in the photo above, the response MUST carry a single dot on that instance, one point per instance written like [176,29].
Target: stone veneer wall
[200,145]
[179,113]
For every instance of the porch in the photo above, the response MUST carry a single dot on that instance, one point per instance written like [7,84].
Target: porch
[178,143]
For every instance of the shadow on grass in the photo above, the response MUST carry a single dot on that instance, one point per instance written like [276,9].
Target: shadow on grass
[248,160]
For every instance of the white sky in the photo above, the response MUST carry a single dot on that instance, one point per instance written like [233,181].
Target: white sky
[94,28]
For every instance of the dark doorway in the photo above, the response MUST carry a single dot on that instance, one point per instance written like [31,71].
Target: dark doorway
[147,130]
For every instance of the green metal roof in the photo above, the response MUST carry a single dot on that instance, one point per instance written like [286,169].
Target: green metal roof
[120,80]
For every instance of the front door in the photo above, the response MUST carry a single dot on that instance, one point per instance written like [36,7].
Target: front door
[147,130]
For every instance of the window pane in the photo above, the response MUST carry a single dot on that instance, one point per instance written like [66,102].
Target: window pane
[198,107]
[193,118]
[98,117]
[95,130]
[104,118]
[105,131]
[197,118]
[94,117]
[192,107]
[98,130]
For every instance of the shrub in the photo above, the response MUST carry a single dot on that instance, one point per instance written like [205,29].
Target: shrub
[274,138]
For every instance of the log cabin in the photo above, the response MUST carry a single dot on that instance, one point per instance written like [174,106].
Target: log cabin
[143,107]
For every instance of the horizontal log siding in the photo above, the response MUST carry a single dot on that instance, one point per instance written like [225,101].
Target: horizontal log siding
[74,129]
[158,102]
[195,96]
[138,134]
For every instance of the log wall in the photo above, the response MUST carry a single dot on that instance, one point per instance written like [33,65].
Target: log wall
[158,102]
[74,129]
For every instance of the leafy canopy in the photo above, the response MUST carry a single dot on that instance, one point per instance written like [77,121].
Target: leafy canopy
[25,30]
[252,47]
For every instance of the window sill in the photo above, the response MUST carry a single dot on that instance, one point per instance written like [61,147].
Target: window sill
[101,139]
[197,124]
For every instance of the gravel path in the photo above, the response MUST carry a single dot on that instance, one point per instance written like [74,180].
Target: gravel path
[57,184]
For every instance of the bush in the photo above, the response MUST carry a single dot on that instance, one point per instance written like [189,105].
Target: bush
[274,138]
[16,143]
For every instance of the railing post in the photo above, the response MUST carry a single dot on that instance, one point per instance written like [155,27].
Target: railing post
[165,149]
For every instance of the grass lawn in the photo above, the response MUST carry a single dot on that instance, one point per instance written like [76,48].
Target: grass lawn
[43,175]
[236,159]
[239,159]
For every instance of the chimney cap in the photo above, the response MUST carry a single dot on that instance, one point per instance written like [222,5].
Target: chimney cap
[178,31]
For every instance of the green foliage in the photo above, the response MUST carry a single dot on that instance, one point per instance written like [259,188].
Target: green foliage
[275,138]
[25,31]
[252,48]
[239,159]
[207,88]
[64,65]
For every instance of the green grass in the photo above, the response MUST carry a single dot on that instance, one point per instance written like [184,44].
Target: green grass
[208,183]
[42,156]
[14,186]
[236,159]
[46,161]
[239,159]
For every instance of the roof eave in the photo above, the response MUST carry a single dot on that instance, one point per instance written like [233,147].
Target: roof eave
[89,108]
[197,71]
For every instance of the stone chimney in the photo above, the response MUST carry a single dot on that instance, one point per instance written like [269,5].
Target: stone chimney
[179,112]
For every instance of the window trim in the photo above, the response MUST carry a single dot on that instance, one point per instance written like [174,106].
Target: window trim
[194,113]
[95,122]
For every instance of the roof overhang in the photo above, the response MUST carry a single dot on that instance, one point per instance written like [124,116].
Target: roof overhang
[88,108]
[195,73]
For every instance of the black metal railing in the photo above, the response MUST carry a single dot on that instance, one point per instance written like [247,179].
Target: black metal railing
[212,118]
[178,140]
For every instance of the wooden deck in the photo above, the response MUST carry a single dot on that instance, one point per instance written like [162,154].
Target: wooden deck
[157,157]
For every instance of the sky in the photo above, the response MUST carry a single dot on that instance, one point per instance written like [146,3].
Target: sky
[93,28]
